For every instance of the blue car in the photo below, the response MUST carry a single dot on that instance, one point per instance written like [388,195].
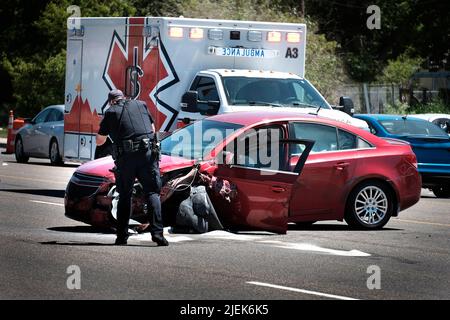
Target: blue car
[429,142]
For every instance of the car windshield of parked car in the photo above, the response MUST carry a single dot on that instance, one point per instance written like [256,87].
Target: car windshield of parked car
[272,92]
[197,140]
[407,127]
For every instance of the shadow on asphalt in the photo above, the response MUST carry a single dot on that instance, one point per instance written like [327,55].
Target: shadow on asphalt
[92,244]
[45,164]
[83,229]
[38,192]
[334,227]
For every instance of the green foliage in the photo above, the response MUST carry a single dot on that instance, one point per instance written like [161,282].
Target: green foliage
[398,71]
[37,73]
[436,106]
[37,82]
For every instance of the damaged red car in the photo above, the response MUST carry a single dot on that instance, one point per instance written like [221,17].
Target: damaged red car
[262,170]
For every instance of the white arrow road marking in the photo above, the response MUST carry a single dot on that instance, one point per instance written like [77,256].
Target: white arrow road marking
[314,248]
[219,234]
[50,203]
[315,293]
[223,235]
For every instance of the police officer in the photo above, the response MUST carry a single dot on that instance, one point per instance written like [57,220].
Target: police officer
[131,127]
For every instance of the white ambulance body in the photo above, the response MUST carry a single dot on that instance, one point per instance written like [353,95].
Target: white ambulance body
[163,61]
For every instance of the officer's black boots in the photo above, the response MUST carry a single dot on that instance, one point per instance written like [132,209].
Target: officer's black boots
[160,240]
[121,241]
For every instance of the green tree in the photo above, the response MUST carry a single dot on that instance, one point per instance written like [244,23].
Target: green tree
[399,71]
[36,68]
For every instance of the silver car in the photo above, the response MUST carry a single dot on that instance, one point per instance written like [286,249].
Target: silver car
[42,137]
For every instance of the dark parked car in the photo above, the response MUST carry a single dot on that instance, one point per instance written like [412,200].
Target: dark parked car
[430,143]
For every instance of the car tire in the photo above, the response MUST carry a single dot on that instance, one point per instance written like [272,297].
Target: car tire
[441,191]
[21,157]
[369,206]
[54,154]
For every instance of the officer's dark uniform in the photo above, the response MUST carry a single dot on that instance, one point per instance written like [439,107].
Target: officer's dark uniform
[129,123]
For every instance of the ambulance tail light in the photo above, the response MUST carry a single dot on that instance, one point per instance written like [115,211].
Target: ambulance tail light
[176,32]
[274,36]
[293,37]
[196,33]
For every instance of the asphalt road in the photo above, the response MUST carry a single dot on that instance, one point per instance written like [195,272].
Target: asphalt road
[326,261]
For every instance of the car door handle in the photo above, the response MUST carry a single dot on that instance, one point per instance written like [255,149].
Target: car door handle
[278,189]
[341,165]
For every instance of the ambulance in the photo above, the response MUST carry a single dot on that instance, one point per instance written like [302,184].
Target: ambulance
[184,70]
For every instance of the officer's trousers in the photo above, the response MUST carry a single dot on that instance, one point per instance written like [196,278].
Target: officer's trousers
[144,166]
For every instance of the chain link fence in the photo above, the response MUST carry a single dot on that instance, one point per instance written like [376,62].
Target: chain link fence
[372,98]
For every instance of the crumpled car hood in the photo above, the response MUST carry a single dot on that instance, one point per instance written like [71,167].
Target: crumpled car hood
[100,167]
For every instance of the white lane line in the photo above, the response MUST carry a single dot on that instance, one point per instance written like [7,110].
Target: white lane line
[50,203]
[315,293]
[314,248]
[423,222]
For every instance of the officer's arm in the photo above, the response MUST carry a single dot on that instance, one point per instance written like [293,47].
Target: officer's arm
[103,131]
[99,139]
[150,116]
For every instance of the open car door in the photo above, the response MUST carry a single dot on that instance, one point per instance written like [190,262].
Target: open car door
[261,192]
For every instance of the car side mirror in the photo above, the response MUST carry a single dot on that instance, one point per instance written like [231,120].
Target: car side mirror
[213,108]
[346,105]
[28,121]
[189,101]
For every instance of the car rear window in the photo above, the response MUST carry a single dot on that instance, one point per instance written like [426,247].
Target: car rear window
[406,127]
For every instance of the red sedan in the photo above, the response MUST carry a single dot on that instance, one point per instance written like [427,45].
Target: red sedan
[253,167]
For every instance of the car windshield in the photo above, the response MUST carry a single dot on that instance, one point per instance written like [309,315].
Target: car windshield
[407,127]
[197,140]
[272,92]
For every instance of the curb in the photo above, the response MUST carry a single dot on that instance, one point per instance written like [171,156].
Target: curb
[3,142]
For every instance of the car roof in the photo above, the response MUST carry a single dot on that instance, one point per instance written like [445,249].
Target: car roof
[55,106]
[431,116]
[248,118]
[382,117]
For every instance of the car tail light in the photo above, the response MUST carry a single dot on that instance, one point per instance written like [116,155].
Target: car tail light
[411,158]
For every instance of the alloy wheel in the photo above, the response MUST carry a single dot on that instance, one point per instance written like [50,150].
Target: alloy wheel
[371,205]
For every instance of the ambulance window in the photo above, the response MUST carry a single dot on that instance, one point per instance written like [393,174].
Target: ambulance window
[207,91]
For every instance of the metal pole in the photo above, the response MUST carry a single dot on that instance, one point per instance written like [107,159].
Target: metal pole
[366,97]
